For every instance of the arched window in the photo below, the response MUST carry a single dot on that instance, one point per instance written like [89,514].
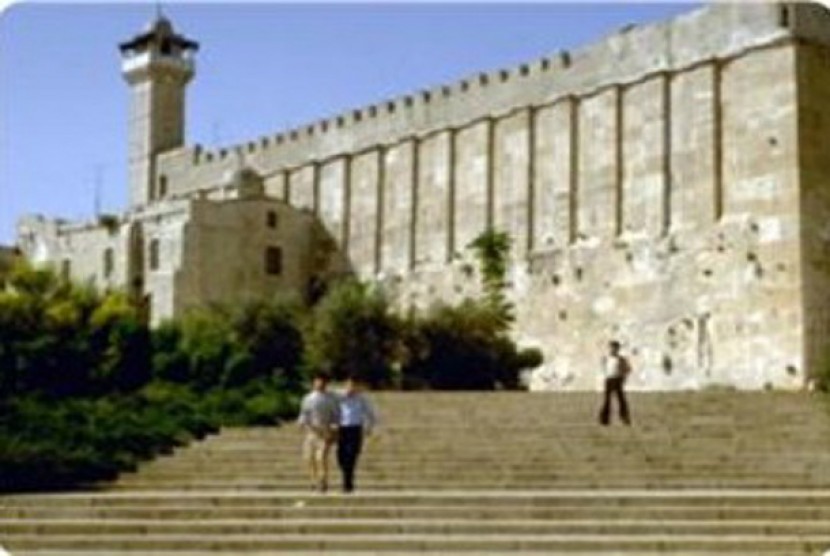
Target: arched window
[271,219]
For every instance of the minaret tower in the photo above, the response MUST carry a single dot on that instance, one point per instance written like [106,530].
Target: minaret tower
[157,64]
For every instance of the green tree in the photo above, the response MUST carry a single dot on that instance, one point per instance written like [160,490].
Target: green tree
[353,330]
[461,347]
[61,339]
[271,341]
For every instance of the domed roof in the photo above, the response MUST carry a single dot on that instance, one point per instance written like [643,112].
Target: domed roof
[160,26]
[158,31]
[242,176]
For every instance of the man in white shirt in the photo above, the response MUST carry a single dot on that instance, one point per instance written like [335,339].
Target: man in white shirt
[319,418]
[357,417]
[615,369]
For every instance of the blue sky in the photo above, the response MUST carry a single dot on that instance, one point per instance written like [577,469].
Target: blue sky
[261,68]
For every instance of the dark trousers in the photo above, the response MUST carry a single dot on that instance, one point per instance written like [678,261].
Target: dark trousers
[349,444]
[614,387]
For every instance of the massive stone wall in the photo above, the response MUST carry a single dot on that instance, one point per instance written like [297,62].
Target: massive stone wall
[814,163]
[651,184]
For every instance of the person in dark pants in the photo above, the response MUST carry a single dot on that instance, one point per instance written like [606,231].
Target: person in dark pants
[616,369]
[357,418]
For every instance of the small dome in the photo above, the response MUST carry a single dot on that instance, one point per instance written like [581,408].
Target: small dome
[160,26]
[241,176]
[244,179]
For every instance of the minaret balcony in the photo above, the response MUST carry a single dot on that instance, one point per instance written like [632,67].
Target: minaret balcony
[137,65]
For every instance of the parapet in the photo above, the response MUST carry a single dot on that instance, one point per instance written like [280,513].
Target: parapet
[718,31]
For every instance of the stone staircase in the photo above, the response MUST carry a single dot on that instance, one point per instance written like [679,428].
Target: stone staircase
[477,473]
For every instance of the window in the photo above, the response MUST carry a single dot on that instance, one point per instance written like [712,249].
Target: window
[273,261]
[109,262]
[154,254]
[271,219]
[162,186]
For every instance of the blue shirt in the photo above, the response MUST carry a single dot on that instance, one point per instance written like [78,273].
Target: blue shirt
[356,411]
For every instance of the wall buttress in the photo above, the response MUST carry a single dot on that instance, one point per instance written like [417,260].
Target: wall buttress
[574,181]
[413,222]
[490,148]
[717,139]
[667,155]
[347,201]
[619,160]
[451,171]
[531,179]
[379,197]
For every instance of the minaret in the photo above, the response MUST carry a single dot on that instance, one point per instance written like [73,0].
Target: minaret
[157,64]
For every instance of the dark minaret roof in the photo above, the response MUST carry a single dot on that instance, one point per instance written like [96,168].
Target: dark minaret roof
[159,32]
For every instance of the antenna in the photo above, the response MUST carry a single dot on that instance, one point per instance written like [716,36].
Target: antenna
[159,12]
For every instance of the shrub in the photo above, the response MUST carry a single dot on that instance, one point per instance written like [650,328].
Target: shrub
[62,340]
[270,337]
[353,330]
[464,347]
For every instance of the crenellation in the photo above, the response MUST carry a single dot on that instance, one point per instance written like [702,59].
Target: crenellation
[580,66]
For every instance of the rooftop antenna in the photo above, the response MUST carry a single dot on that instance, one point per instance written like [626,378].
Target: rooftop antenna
[159,12]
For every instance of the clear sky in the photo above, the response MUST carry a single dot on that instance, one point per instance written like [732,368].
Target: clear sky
[261,68]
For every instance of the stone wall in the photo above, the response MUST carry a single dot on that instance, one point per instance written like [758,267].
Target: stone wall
[223,248]
[651,184]
[78,250]
[666,186]
[814,164]
[184,253]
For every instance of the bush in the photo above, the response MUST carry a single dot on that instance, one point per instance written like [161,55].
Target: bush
[48,445]
[353,330]
[221,347]
[269,334]
[61,340]
[464,348]
[88,390]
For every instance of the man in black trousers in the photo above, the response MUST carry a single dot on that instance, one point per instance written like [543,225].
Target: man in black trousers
[616,369]
[357,417]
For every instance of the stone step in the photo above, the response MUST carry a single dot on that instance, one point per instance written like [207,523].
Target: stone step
[646,483]
[470,473]
[481,476]
[437,543]
[505,513]
[606,498]
[593,552]
[10,529]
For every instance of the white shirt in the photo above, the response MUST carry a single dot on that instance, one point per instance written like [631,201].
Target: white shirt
[613,366]
[356,410]
[319,410]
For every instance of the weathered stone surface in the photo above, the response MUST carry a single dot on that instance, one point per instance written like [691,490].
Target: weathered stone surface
[666,186]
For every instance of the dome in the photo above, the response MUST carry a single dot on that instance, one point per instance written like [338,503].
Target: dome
[160,26]
[241,176]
